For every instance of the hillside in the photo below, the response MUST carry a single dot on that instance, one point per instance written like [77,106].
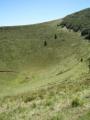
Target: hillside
[44,72]
[79,21]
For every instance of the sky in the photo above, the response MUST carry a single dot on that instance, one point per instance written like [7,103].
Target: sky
[23,12]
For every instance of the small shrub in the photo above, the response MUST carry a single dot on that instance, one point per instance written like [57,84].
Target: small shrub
[81,60]
[45,43]
[77,102]
[55,36]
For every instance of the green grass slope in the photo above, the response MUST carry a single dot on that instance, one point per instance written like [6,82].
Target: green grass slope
[44,73]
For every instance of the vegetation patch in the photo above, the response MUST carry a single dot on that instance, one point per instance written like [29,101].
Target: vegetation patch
[79,21]
[77,102]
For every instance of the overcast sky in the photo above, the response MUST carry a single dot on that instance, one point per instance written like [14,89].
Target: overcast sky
[21,12]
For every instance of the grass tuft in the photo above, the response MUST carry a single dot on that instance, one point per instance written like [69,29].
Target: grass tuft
[77,102]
